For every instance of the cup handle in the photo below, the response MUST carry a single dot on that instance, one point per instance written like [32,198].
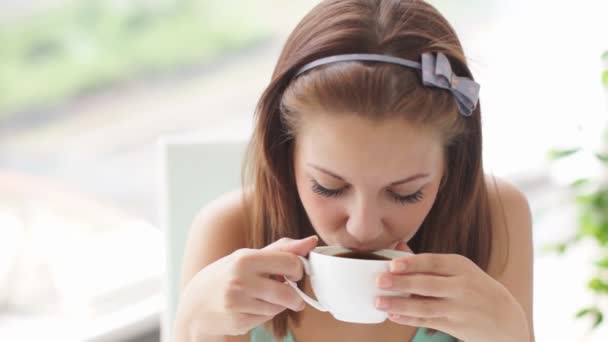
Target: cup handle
[315,304]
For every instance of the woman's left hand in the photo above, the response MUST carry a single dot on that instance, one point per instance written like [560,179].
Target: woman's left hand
[450,293]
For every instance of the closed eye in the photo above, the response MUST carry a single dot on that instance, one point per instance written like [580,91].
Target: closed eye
[412,198]
[317,188]
[401,199]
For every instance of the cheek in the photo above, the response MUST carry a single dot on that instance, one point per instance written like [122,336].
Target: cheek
[406,220]
[326,214]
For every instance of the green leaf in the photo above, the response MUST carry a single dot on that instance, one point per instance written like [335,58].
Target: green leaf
[599,317]
[605,78]
[600,201]
[558,248]
[603,234]
[555,154]
[587,225]
[584,199]
[598,285]
[603,157]
[605,56]
[602,263]
[585,311]
[595,312]
[581,181]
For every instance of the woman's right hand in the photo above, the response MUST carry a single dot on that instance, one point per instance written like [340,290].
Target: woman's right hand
[236,293]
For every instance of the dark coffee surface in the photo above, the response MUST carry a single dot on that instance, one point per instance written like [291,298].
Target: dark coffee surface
[361,255]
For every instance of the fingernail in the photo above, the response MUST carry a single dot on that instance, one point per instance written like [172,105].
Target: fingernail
[385,282]
[397,266]
[313,237]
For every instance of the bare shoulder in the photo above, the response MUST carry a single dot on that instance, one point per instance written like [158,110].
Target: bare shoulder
[511,221]
[511,262]
[217,230]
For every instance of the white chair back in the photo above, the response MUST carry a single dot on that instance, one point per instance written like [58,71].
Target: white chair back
[193,172]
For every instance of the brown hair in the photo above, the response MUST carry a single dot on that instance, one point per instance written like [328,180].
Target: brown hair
[459,221]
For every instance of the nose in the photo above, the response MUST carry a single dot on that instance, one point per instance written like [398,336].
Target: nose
[365,221]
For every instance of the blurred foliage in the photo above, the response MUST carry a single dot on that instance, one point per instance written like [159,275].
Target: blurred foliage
[591,196]
[85,45]
[605,73]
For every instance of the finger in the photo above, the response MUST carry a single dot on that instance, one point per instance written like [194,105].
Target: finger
[272,263]
[424,307]
[438,323]
[271,291]
[420,284]
[259,307]
[434,263]
[299,247]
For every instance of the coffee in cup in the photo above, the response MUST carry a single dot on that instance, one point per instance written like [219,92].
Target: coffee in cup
[361,255]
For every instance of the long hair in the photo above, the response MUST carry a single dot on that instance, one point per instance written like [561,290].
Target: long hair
[459,220]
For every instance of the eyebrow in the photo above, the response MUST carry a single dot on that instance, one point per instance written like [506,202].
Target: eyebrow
[399,182]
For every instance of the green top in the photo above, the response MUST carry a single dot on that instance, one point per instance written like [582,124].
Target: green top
[259,334]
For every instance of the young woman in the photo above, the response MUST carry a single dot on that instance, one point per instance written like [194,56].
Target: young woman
[369,137]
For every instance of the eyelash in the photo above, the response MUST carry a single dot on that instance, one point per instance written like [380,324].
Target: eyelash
[317,188]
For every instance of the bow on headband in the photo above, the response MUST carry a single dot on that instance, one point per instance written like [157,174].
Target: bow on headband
[436,72]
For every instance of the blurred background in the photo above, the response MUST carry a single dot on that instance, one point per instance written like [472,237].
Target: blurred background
[88,88]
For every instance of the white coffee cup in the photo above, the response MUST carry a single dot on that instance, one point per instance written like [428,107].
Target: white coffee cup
[346,287]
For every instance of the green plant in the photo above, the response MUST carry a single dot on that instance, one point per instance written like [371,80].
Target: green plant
[82,46]
[591,197]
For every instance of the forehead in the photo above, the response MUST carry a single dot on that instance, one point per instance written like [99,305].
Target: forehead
[350,143]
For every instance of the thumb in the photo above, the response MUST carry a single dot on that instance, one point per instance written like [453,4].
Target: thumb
[300,247]
[402,246]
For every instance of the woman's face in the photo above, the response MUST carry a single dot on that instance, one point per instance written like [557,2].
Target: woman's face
[366,185]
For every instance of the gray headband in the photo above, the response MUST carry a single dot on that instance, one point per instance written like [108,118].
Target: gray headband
[436,72]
